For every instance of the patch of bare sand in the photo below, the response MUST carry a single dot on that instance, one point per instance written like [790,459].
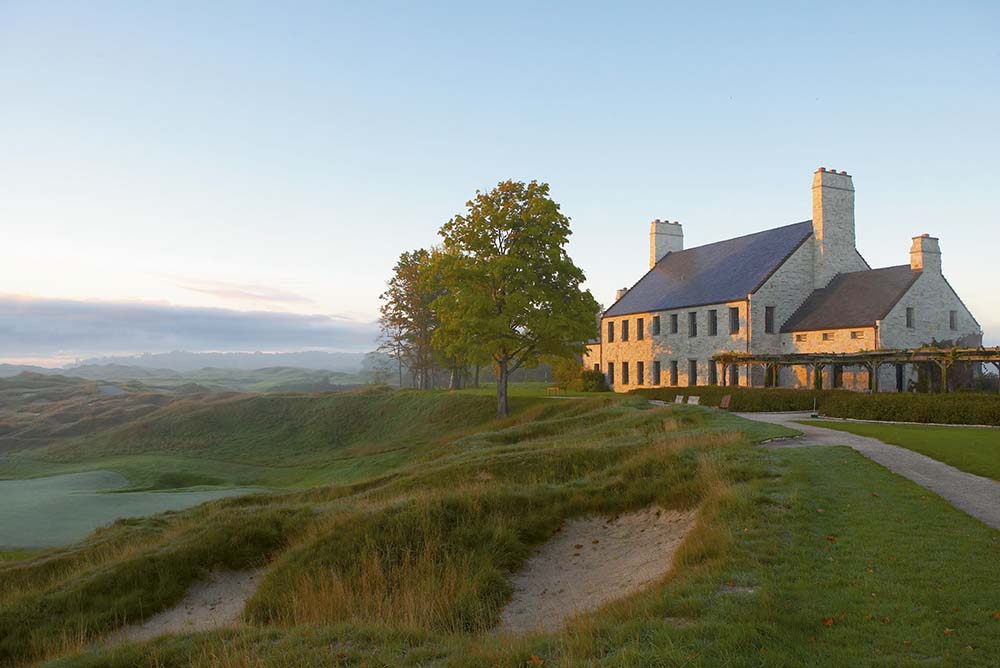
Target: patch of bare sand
[590,562]
[212,603]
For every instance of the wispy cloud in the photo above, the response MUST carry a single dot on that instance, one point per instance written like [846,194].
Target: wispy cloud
[252,293]
[38,328]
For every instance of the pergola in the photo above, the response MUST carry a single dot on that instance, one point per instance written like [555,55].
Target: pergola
[944,358]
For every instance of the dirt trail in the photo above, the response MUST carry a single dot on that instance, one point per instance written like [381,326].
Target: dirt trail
[215,602]
[591,562]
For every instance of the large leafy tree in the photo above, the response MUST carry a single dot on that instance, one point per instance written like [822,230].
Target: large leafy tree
[511,294]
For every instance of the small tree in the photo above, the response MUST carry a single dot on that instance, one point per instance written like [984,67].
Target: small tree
[511,293]
[407,320]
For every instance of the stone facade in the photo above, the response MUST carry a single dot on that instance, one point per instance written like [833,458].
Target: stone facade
[938,315]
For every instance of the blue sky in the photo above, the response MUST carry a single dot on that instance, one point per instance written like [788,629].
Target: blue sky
[276,158]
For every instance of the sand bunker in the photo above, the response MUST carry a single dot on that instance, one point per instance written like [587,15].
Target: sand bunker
[590,562]
[215,602]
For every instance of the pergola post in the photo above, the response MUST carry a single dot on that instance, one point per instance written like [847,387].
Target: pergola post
[873,369]
[818,375]
[943,365]
[997,365]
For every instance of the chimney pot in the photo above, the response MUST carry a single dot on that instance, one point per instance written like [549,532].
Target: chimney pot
[843,172]
[822,169]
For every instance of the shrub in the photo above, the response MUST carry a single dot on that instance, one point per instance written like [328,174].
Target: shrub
[959,408]
[593,381]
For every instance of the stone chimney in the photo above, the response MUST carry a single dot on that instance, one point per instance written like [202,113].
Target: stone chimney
[833,225]
[620,293]
[664,237]
[925,254]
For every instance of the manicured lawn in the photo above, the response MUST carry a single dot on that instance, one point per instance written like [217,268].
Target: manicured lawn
[966,448]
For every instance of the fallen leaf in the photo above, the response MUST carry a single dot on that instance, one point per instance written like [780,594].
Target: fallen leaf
[828,621]
[948,632]
[577,546]
[535,661]
[832,539]
[869,617]
[820,510]
[729,583]
[956,610]
[875,494]
[996,615]
[594,542]
[886,620]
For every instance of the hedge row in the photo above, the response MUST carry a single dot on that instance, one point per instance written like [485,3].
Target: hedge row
[956,408]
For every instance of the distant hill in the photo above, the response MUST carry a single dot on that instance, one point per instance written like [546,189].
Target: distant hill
[183,362]
[11,370]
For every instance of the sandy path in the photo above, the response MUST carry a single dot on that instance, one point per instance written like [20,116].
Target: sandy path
[215,602]
[976,495]
[591,562]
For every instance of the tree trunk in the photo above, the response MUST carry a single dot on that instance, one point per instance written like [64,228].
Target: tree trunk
[456,380]
[477,375]
[399,361]
[502,408]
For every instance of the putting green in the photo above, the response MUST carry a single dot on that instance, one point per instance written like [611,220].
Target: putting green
[62,509]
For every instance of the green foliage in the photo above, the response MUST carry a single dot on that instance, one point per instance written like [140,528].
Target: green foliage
[593,381]
[955,408]
[511,292]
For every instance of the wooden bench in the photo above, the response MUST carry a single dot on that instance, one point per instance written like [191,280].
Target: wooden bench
[726,400]
[693,400]
[679,399]
[554,389]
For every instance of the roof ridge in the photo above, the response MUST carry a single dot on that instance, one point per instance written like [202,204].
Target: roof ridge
[742,236]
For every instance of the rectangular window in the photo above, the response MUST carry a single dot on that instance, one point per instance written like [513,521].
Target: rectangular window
[611,332]
[656,325]
[713,373]
[909,317]
[692,373]
[640,327]
[769,320]
[656,372]
[640,371]
[713,322]
[673,323]
[611,373]
[624,373]
[624,330]
[692,324]
[953,320]
[828,336]
[597,368]
[857,335]
[673,372]
[734,320]
[799,338]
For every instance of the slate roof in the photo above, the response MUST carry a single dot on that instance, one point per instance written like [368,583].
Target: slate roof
[714,273]
[855,299]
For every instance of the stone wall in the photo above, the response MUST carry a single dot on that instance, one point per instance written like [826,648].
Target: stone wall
[668,347]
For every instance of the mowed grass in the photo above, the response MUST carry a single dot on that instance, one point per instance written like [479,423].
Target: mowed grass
[971,449]
[820,558]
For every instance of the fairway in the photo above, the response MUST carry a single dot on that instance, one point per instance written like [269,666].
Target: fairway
[58,510]
[970,449]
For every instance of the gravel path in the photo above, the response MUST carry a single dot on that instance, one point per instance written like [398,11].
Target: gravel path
[977,496]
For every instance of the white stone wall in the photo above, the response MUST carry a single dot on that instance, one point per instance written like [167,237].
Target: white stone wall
[669,347]
[785,290]
[833,227]
[931,298]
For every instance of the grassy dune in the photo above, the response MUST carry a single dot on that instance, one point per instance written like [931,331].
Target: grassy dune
[798,557]
[435,535]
